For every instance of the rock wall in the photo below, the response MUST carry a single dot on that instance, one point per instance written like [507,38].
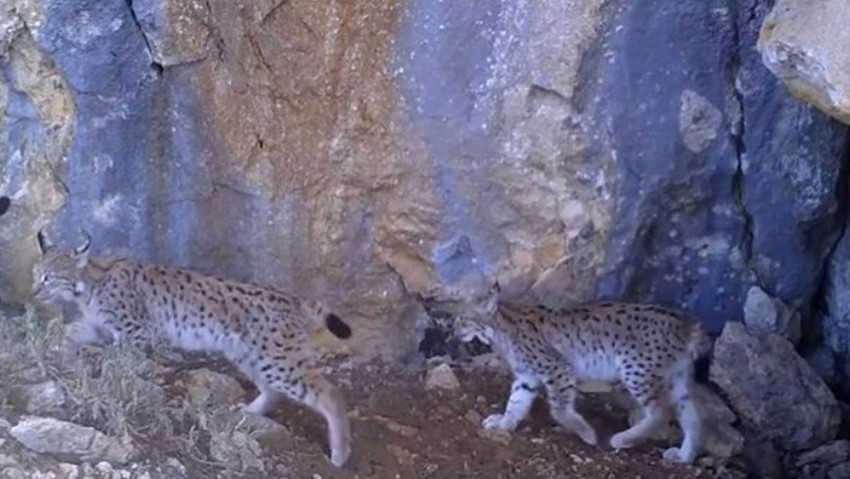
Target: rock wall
[361,151]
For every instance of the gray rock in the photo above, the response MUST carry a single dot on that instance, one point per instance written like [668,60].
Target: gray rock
[68,471]
[803,44]
[51,436]
[765,313]
[238,449]
[441,377]
[835,320]
[761,457]
[208,389]
[829,454]
[15,473]
[42,398]
[730,223]
[773,390]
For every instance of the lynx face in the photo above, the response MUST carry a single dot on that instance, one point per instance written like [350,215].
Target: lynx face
[468,330]
[58,274]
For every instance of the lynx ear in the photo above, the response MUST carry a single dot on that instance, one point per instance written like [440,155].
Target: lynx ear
[44,244]
[82,252]
[491,303]
[84,248]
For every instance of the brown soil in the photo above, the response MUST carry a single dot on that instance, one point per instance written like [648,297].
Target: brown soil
[402,430]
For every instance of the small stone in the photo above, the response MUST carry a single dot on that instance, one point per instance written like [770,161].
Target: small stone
[13,473]
[397,427]
[501,437]
[441,377]
[69,471]
[489,361]
[402,455]
[45,397]
[176,464]
[473,416]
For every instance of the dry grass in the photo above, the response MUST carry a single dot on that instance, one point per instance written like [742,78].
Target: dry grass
[115,389]
[28,349]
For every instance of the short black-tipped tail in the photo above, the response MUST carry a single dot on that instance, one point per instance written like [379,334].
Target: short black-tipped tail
[5,203]
[337,326]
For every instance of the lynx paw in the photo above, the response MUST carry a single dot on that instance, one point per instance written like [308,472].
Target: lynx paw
[587,435]
[340,457]
[498,422]
[621,441]
[251,408]
[676,455]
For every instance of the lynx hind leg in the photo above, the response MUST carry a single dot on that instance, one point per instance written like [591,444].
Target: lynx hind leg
[276,380]
[651,392]
[561,393]
[323,397]
[688,416]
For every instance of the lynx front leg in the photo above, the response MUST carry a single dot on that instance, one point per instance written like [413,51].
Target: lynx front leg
[523,393]
[561,390]
[77,334]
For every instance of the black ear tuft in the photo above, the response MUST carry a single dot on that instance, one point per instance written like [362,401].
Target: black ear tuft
[42,243]
[337,326]
[5,203]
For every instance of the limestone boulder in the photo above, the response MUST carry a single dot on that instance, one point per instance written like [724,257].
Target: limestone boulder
[805,45]
[773,390]
[64,439]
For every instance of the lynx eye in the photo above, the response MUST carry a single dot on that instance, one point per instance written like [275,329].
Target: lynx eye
[45,278]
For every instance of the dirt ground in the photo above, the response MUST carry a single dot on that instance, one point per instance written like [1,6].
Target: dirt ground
[402,430]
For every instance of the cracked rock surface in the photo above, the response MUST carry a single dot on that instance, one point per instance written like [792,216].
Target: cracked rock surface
[362,151]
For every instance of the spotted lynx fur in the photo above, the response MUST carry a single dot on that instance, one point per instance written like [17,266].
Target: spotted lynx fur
[649,349]
[260,330]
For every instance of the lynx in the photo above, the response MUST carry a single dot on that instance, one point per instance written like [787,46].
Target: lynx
[649,349]
[260,330]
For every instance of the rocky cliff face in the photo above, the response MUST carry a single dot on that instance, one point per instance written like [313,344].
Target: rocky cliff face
[361,151]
